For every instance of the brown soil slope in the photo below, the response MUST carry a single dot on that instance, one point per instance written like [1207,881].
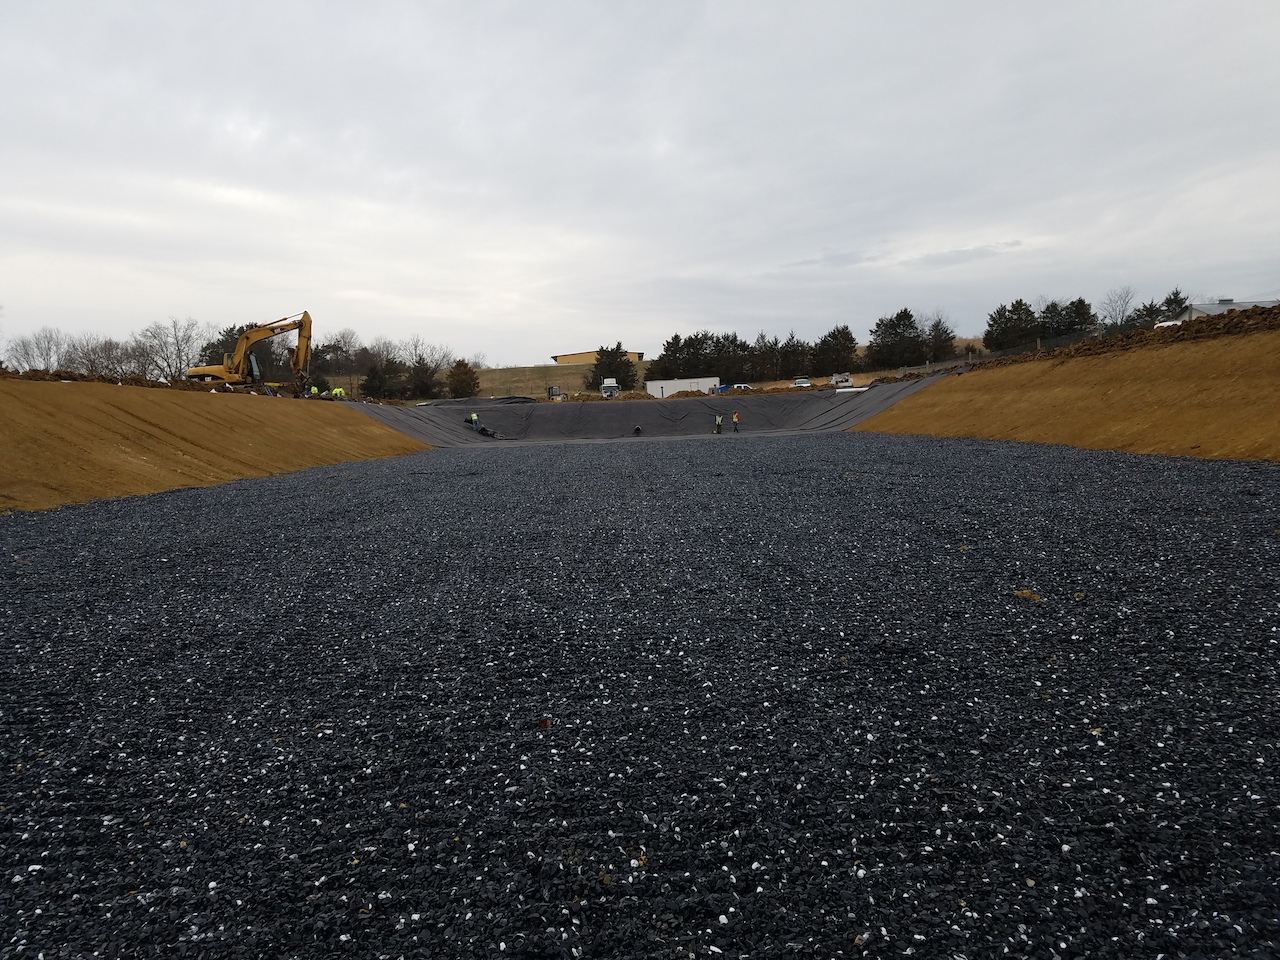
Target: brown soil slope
[1202,398]
[74,442]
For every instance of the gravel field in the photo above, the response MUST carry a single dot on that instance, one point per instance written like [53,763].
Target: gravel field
[732,696]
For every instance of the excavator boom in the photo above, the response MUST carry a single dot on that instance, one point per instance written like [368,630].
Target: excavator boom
[300,355]
[238,367]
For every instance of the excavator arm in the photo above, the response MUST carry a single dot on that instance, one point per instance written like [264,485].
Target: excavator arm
[236,367]
[300,356]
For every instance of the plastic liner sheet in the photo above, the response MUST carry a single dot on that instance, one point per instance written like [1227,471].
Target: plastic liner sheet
[449,424]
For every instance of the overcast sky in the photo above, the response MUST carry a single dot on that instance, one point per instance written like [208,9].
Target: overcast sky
[524,179]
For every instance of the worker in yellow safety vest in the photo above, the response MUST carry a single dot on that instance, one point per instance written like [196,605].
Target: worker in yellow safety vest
[315,391]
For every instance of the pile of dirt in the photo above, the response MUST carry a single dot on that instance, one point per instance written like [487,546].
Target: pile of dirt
[71,376]
[75,442]
[1210,388]
[788,388]
[590,396]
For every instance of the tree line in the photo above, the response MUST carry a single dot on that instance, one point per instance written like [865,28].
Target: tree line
[408,369]
[905,340]
[411,369]
[414,369]
[900,339]
[736,360]
[1118,312]
[159,351]
[1019,323]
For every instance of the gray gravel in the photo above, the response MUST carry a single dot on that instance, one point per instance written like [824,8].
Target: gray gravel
[727,697]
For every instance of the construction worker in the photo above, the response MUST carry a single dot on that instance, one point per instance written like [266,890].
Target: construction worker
[339,393]
[315,391]
[719,422]
[475,421]
[735,421]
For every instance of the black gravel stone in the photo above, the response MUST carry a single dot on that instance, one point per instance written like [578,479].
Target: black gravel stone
[801,696]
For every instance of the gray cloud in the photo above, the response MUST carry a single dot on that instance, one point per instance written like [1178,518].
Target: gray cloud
[838,259]
[951,258]
[522,179]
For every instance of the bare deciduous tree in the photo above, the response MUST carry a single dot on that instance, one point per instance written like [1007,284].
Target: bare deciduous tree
[417,352]
[1117,306]
[348,340]
[427,362]
[171,348]
[104,357]
[51,346]
[342,348]
[382,349]
[281,347]
[43,350]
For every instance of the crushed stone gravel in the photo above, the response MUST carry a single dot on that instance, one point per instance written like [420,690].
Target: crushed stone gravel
[806,696]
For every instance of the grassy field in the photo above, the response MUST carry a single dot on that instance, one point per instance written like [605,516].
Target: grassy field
[532,381]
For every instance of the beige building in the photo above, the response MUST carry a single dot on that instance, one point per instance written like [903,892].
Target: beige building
[590,357]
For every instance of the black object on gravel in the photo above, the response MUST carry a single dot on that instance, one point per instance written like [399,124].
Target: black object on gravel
[770,697]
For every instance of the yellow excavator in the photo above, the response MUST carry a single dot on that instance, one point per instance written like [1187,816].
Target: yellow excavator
[240,368]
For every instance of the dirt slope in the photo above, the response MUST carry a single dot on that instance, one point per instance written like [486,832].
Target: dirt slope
[74,442]
[1208,398]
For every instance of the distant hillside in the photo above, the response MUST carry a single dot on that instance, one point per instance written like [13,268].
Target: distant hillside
[1197,391]
[533,381]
